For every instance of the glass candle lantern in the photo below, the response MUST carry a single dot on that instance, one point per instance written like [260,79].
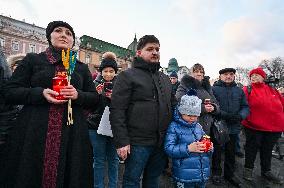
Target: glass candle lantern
[58,83]
[206,140]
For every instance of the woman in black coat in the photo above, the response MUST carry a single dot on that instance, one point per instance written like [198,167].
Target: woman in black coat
[196,80]
[43,150]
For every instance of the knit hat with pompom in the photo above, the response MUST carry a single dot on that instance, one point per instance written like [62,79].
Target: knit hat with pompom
[190,104]
[108,60]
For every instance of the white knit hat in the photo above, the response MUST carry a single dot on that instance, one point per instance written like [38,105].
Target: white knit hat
[190,105]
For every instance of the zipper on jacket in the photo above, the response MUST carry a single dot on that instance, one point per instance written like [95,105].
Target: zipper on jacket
[200,156]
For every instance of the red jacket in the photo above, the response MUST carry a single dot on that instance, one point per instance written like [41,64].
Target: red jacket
[266,109]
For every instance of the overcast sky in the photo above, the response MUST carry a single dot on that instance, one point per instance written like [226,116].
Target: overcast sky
[215,33]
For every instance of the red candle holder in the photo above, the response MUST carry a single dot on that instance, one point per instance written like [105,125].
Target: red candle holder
[206,140]
[58,83]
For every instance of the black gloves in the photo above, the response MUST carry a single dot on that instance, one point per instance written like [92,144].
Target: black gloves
[230,116]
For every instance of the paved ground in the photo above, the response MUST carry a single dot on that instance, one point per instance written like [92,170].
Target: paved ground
[277,167]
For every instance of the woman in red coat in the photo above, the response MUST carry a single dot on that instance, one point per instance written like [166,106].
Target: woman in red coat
[263,126]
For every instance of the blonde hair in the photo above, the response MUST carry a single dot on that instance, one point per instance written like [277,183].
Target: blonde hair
[12,59]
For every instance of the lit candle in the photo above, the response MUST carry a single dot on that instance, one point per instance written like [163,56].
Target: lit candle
[58,83]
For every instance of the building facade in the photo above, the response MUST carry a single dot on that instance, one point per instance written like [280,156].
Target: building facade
[91,50]
[19,37]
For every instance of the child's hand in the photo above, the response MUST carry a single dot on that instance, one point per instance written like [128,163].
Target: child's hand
[198,147]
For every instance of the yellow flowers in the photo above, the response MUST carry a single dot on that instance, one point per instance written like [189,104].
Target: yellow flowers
[65,58]
[69,61]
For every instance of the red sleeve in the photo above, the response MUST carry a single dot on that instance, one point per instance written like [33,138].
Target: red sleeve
[281,99]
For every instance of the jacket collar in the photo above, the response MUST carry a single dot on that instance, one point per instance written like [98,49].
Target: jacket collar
[223,84]
[53,55]
[258,84]
[141,64]
[190,82]
[180,121]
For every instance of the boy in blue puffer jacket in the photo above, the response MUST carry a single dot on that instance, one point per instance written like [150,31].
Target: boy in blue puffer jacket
[191,165]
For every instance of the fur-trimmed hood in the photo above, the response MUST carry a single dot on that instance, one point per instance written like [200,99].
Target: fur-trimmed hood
[204,91]
[190,82]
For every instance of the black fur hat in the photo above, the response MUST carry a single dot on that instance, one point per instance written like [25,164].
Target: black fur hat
[222,71]
[108,60]
[52,25]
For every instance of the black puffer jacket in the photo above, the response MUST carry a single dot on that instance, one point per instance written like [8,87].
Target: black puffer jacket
[141,106]
[233,104]
[204,91]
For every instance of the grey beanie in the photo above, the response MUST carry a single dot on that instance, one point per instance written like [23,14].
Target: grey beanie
[190,105]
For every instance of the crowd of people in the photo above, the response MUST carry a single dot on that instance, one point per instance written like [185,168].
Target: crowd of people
[141,117]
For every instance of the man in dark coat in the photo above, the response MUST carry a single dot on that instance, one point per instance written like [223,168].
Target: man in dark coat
[233,108]
[174,80]
[140,113]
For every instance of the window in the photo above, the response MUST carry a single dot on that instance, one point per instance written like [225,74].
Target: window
[2,42]
[15,45]
[32,48]
[88,59]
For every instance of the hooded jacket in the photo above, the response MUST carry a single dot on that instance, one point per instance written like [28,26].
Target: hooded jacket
[187,166]
[232,101]
[141,106]
[204,91]
[266,109]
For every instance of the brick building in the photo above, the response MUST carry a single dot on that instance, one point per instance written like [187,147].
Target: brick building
[91,50]
[19,37]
